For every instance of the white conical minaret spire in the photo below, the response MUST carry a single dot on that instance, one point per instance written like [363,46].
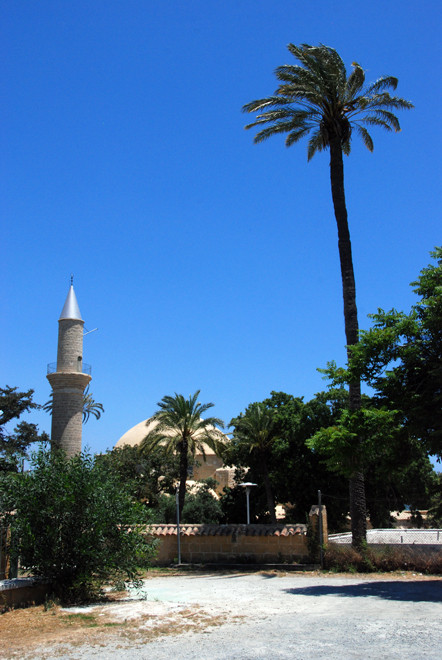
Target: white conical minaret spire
[69,379]
[71,309]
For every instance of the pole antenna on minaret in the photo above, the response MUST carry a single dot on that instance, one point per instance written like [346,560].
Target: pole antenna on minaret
[72,280]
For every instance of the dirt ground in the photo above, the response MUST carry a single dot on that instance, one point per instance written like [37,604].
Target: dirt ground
[237,615]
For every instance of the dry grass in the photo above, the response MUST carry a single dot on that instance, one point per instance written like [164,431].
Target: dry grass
[383,559]
[23,631]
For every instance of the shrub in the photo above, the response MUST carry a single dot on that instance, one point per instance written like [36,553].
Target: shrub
[75,525]
[384,558]
[200,506]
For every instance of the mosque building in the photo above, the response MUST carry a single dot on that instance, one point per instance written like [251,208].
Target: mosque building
[69,377]
[206,465]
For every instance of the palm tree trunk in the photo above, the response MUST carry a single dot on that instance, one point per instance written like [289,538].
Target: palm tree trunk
[357,488]
[184,448]
[269,492]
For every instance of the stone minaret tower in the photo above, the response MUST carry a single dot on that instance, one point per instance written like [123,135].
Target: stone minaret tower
[68,379]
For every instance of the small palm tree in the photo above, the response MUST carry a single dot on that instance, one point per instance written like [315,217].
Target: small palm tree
[180,429]
[257,431]
[90,406]
[317,98]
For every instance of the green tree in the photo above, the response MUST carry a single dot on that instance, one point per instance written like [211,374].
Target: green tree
[181,430]
[75,525]
[295,471]
[399,476]
[255,431]
[147,475]
[90,406]
[317,97]
[396,467]
[401,358]
[435,510]
[200,507]
[14,446]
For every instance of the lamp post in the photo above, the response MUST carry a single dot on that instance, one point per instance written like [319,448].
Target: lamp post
[248,486]
[177,499]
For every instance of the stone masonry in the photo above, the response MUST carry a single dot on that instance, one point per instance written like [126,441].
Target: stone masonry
[68,382]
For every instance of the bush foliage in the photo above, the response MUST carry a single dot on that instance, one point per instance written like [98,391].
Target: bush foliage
[385,558]
[200,506]
[75,525]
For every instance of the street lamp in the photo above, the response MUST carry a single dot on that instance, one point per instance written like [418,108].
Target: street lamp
[248,485]
[178,531]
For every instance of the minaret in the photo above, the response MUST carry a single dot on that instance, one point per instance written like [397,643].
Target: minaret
[68,379]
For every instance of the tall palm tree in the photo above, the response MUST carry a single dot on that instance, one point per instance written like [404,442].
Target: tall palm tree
[317,98]
[180,429]
[257,431]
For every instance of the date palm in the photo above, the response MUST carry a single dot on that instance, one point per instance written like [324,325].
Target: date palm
[180,429]
[316,98]
[256,430]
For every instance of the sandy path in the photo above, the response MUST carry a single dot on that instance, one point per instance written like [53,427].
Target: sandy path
[250,616]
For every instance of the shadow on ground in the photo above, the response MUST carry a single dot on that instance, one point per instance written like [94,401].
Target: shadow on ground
[428,590]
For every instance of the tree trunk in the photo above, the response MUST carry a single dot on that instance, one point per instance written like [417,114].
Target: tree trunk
[269,492]
[184,448]
[357,487]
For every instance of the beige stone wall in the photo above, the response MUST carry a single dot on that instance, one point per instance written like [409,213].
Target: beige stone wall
[206,468]
[232,548]
[24,592]
[314,521]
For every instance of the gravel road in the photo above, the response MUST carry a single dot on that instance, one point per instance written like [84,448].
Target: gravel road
[280,616]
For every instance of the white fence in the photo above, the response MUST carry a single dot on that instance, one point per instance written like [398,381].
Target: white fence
[395,537]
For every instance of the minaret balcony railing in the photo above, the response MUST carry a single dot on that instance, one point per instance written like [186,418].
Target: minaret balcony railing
[74,367]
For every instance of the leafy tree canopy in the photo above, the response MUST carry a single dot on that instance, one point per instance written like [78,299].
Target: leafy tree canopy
[147,475]
[314,450]
[401,358]
[75,524]
[200,507]
[14,446]
[295,471]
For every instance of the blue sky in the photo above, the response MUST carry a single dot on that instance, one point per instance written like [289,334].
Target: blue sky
[206,262]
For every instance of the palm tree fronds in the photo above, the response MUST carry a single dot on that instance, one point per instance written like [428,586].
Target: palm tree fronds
[259,104]
[365,135]
[281,127]
[316,143]
[389,118]
[316,96]
[178,426]
[90,406]
[355,81]
[305,80]
[373,120]
[346,146]
[384,100]
[296,135]
[385,82]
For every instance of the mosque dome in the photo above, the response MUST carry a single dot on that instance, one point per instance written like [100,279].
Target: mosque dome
[137,433]
[207,464]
